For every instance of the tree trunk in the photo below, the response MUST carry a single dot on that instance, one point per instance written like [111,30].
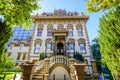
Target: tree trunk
[14,77]
[4,76]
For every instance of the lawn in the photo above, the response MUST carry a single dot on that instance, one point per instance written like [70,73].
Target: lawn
[9,75]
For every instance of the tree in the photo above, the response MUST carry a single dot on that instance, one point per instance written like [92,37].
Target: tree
[96,49]
[109,40]
[6,62]
[17,12]
[97,5]
[5,34]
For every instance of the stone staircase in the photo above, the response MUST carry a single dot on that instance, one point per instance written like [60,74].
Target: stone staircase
[38,71]
[38,75]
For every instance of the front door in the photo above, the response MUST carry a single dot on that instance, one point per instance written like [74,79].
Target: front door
[60,50]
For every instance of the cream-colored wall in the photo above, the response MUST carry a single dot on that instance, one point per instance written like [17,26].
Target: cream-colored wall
[17,49]
[44,37]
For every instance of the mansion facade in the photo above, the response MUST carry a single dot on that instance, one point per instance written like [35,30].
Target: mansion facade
[58,36]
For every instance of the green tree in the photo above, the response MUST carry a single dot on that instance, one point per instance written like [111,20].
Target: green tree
[109,40]
[17,12]
[5,34]
[96,49]
[96,53]
[97,5]
[6,62]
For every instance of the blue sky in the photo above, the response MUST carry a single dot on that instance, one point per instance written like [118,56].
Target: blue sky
[72,5]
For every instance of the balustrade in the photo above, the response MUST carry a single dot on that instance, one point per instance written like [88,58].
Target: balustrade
[59,59]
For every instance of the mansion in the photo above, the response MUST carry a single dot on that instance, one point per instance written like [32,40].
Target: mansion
[52,44]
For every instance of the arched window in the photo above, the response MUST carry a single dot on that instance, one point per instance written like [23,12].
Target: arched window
[37,46]
[71,44]
[82,45]
[48,44]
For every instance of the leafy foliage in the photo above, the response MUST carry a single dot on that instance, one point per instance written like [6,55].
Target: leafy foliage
[109,40]
[5,34]
[96,49]
[42,56]
[78,57]
[97,5]
[6,62]
[17,12]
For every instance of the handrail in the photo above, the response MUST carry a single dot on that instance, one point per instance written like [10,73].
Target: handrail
[38,65]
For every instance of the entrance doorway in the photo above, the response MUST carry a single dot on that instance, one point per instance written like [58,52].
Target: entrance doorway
[59,73]
[60,49]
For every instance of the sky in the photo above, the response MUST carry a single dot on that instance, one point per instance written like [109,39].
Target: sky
[74,5]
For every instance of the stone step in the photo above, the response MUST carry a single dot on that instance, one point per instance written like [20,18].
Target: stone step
[37,74]
[37,77]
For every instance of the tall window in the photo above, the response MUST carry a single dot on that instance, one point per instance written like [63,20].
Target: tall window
[82,46]
[48,46]
[18,57]
[71,46]
[39,32]
[24,56]
[49,32]
[37,48]
[70,32]
[80,32]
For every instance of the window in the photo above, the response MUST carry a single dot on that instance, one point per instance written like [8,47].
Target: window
[70,32]
[39,33]
[80,33]
[37,48]
[18,57]
[49,32]
[24,56]
[48,46]
[82,47]
[71,46]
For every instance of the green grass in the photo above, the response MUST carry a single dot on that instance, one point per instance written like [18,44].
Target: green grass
[9,75]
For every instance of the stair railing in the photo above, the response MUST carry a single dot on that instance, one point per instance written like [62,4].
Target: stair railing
[38,65]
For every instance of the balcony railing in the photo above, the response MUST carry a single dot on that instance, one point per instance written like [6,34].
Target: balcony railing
[59,59]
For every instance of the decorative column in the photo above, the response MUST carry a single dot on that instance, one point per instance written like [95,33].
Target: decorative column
[72,69]
[94,69]
[46,69]
[80,71]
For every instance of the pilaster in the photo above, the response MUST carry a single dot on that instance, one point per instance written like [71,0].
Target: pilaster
[46,69]
[72,69]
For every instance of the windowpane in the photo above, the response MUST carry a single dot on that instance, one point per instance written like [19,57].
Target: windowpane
[19,55]
[37,48]
[39,33]
[70,32]
[48,46]
[80,33]
[49,32]
[71,46]
[82,47]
